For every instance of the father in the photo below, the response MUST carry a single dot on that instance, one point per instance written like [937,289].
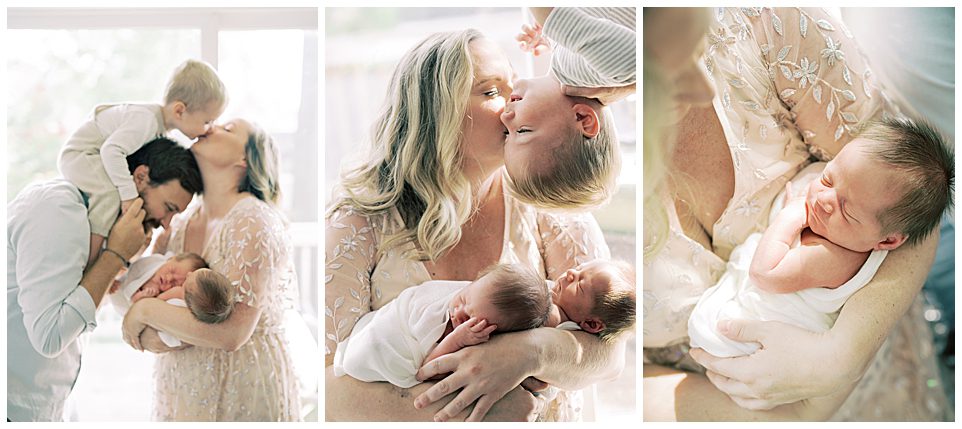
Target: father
[51,296]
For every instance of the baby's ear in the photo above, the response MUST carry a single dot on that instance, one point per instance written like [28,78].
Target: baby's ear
[592,325]
[891,241]
[588,121]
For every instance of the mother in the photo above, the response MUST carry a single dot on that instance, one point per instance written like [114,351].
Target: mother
[429,203]
[241,368]
[785,90]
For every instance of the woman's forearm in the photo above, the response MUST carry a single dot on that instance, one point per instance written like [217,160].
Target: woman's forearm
[672,395]
[869,315]
[228,335]
[573,360]
[382,401]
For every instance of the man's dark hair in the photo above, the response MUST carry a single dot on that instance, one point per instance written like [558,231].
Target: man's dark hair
[166,161]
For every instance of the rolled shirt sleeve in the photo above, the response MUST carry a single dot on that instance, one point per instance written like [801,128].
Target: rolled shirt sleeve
[49,236]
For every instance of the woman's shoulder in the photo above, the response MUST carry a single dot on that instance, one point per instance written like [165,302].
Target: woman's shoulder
[252,211]
[350,216]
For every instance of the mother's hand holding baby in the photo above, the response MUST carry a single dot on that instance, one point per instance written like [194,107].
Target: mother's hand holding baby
[137,335]
[483,373]
[777,374]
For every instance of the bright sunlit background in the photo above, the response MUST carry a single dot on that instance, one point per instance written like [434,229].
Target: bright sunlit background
[63,62]
[363,45]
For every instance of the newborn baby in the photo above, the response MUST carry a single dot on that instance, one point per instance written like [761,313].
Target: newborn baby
[887,187]
[441,317]
[183,280]
[597,297]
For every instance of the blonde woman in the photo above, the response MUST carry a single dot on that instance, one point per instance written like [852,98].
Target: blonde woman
[429,203]
[240,369]
[727,160]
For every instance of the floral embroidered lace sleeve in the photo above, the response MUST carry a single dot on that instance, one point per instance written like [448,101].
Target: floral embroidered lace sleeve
[349,258]
[818,73]
[569,240]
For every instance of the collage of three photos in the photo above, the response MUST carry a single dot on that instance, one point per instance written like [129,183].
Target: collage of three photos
[462,229]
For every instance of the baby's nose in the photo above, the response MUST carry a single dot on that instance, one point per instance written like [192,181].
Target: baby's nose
[826,201]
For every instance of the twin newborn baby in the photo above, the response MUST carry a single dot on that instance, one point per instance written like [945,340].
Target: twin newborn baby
[890,186]
[440,317]
[183,280]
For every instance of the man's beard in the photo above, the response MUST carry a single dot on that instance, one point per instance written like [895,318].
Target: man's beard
[150,225]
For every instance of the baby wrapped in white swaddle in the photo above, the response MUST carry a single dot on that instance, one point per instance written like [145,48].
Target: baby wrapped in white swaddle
[440,317]
[391,343]
[736,297]
[182,280]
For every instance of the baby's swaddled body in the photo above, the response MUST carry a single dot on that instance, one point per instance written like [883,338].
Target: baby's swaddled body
[390,344]
[735,297]
[139,273]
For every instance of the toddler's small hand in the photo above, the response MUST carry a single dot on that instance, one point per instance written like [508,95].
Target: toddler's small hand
[531,40]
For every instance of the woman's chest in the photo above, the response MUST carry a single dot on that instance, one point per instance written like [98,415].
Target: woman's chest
[513,241]
[702,177]
[481,245]
[200,234]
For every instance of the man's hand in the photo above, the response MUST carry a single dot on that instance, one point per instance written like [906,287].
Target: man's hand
[125,205]
[605,95]
[127,234]
[114,286]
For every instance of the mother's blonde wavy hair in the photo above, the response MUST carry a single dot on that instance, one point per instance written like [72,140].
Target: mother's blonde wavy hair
[261,178]
[415,158]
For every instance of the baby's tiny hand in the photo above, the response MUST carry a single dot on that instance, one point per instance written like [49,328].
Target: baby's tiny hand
[474,331]
[531,40]
[788,193]
[144,292]
[797,210]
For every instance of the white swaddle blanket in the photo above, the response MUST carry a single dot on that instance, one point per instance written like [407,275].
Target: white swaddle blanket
[390,344]
[735,297]
[139,273]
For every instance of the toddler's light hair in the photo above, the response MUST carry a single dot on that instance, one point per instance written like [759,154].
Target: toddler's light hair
[197,85]
[214,301]
[616,307]
[583,171]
